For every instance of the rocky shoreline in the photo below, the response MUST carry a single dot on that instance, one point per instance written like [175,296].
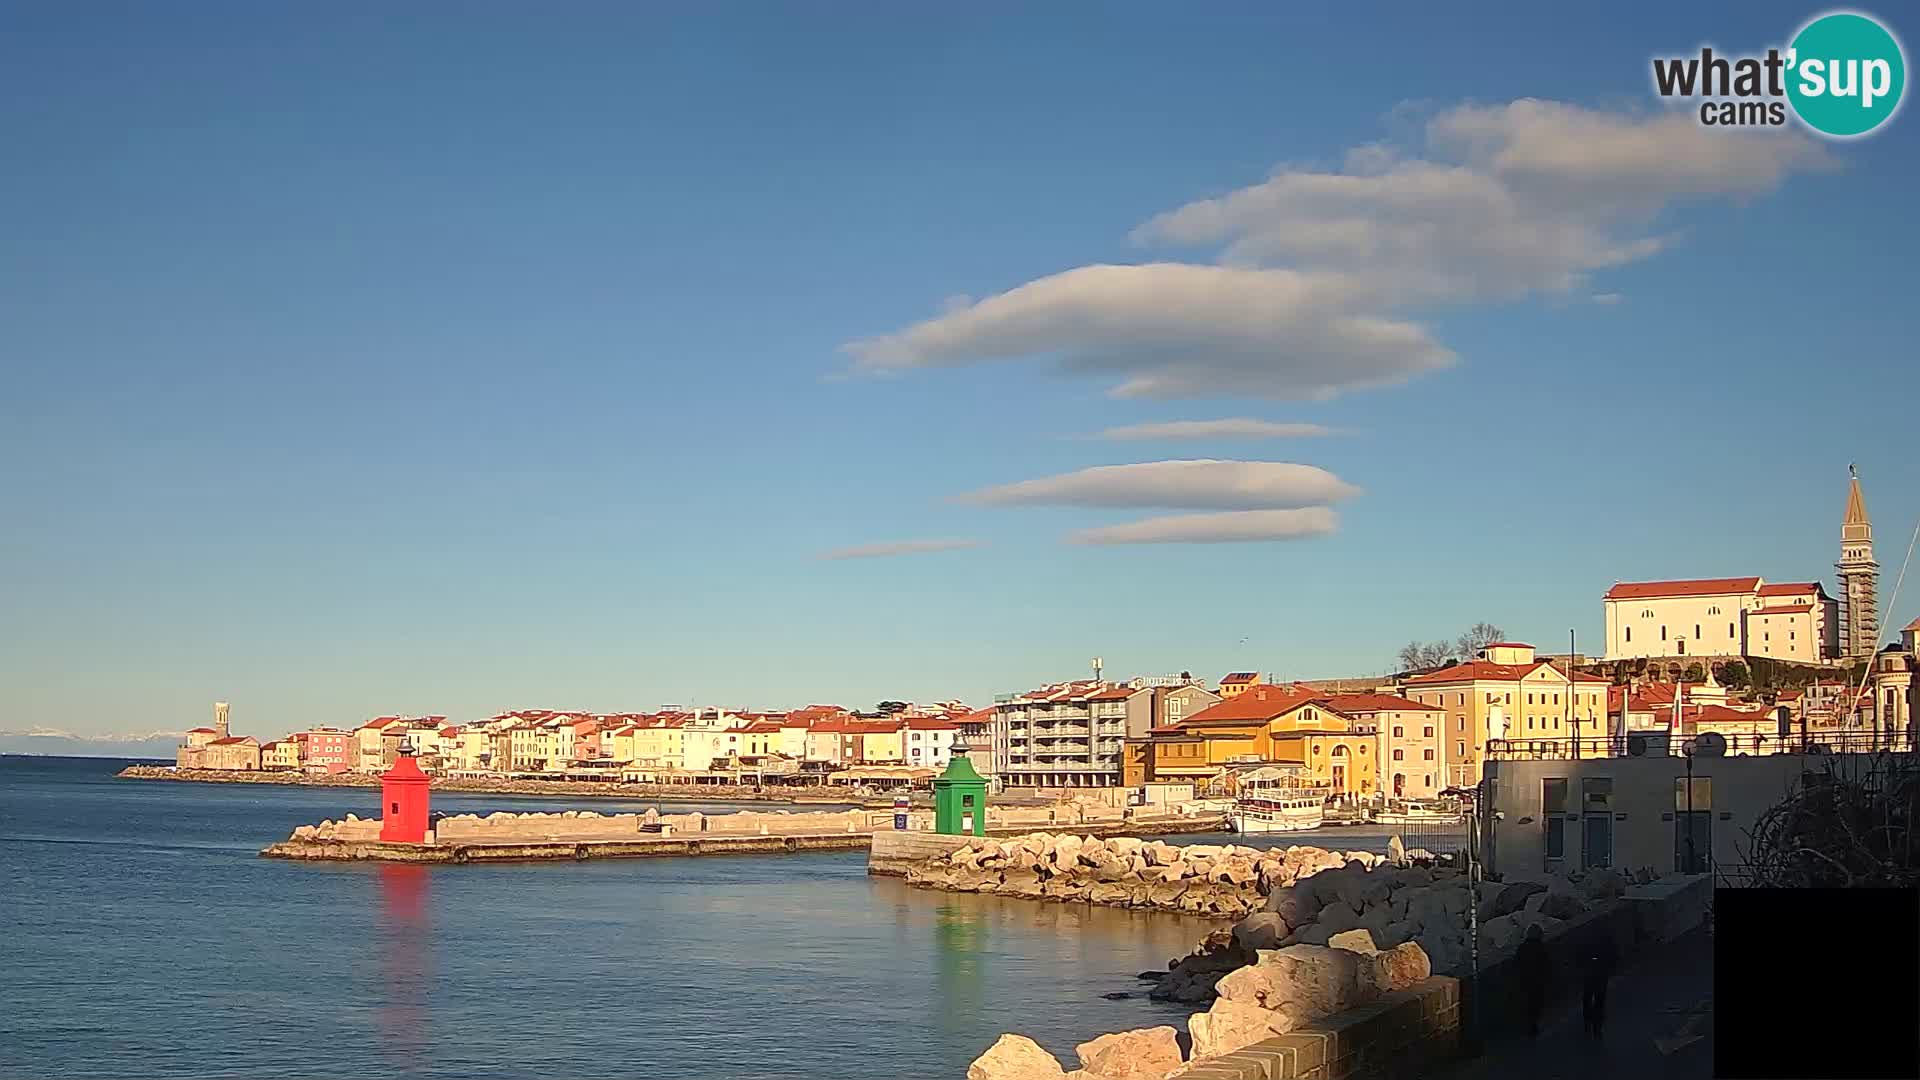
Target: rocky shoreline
[1333,932]
[476,786]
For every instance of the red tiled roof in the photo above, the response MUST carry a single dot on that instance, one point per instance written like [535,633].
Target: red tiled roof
[1782,609]
[1258,703]
[1489,671]
[200,731]
[1914,626]
[1351,703]
[1647,590]
[1240,677]
[1118,693]
[930,723]
[232,740]
[1800,588]
[1509,645]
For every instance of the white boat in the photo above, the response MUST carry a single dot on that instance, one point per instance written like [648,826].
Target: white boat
[1275,801]
[1418,812]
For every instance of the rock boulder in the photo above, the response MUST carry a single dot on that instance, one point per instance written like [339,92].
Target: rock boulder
[1015,1057]
[1141,1054]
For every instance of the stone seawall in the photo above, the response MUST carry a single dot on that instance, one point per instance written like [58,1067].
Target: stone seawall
[528,851]
[1299,992]
[1123,871]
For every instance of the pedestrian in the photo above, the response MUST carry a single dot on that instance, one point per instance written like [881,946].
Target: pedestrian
[1596,968]
[1535,969]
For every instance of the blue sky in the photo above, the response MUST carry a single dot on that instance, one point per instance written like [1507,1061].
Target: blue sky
[482,358]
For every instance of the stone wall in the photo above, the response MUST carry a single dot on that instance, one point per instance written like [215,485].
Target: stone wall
[893,853]
[1288,1009]
[1402,1034]
[588,825]
[1201,879]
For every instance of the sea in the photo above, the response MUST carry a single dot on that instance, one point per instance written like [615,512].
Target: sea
[142,935]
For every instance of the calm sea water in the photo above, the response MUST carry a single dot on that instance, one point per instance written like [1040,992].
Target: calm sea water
[142,936]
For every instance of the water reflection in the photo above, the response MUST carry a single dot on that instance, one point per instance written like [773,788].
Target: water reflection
[959,959]
[406,939]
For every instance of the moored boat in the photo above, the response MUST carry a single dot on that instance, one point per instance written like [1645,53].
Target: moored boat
[1418,812]
[1273,800]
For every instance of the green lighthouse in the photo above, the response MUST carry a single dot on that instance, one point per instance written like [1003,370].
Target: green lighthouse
[960,798]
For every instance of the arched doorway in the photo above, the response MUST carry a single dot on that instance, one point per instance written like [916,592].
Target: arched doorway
[1339,770]
[1399,785]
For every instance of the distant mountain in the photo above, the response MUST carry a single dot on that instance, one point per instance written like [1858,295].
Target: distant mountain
[52,741]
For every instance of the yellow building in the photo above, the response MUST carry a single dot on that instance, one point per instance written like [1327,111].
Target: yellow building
[1265,725]
[1507,694]
[1232,686]
[659,743]
[280,754]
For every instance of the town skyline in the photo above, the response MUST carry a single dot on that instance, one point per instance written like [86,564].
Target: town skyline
[803,364]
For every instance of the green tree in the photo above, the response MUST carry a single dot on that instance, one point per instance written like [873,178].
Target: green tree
[1695,673]
[1734,675]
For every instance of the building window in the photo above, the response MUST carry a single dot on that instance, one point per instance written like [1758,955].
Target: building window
[1629,633]
[1399,732]
[1429,779]
[1399,755]
[1461,699]
[1427,754]
[1696,631]
[1460,722]
[1460,749]
[1428,733]
[1729,630]
[1663,633]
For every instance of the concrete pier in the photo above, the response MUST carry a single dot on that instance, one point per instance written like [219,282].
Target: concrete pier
[482,851]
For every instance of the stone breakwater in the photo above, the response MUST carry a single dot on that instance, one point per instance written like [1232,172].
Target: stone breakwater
[503,786]
[1124,871]
[505,827]
[1347,952]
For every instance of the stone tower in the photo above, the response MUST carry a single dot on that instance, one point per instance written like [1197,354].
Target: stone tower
[1859,577]
[220,720]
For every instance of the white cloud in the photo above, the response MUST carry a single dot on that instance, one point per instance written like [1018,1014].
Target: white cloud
[1321,268]
[1216,429]
[1240,526]
[1501,200]
[898,547]
[1198,485]
[1606,299]
[1177,330]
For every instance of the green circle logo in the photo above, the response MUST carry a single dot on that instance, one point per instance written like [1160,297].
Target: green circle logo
[1845,74]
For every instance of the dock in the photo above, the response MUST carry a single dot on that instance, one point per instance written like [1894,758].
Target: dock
[556,837]
[488,851]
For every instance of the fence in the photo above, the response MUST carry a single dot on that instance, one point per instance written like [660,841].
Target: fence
[1661,744]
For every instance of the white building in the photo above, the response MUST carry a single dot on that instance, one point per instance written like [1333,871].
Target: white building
[929,741]
[1713,617]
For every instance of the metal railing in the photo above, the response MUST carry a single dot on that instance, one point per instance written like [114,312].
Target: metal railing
[1663,744]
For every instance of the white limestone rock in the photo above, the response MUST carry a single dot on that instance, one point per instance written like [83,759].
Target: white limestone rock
[1140,1054]
[1015,1057]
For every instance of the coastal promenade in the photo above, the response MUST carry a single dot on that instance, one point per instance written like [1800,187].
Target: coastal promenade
[1659,1026]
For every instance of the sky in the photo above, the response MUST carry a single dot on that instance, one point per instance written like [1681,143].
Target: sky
[600,356]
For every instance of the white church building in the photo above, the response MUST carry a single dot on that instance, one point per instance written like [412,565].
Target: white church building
[1746,616]
[1722,617]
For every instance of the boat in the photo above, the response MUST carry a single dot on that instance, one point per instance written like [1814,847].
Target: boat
[1418,812]
[1278,800]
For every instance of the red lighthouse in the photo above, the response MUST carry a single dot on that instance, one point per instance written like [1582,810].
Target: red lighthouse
[403,802]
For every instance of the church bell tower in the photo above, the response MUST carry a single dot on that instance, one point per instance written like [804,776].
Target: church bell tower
[1859,577]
